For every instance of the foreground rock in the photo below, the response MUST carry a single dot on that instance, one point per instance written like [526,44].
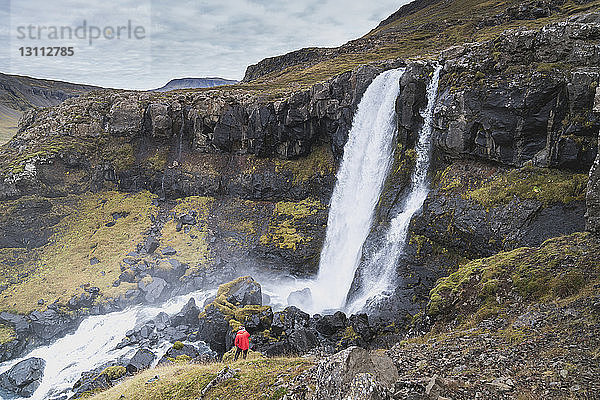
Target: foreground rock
[24,377]
[354,373]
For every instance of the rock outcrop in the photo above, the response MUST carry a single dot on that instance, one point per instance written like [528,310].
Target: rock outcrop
[24,377]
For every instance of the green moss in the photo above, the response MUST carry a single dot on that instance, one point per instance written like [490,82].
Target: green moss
[543,184]
[236,316]
[119,152]
[62,268]
[178,345]
[183,358]
[191,244]
[318,163]
[115,372]
[7,334]
[158,158]
[559,268]
[286,226]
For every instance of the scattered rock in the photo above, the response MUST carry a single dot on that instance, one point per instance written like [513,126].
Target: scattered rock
[142,359]
[24,377]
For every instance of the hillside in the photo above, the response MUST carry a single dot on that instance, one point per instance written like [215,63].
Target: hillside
[21,93]
[194,83]
[422,28]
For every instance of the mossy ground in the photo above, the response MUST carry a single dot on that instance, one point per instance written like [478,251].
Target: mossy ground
[255,379]
[543,184]
[7,334]
[191,243]
[62,268]
[284,231]
[561,267]
[492,186]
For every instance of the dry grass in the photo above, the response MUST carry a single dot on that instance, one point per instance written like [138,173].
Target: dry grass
[62,268]
[255,379]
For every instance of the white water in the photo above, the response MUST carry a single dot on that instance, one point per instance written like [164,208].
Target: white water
[368,154]
[379,272]
[93,344]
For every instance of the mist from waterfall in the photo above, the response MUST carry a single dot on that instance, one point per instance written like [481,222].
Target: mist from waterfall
[368,154]
[94,343]
[379,272]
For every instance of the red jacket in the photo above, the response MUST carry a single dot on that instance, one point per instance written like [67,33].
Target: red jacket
[242,340]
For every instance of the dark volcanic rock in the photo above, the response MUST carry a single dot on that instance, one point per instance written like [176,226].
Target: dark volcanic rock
[175,351]
[187,316]
[213,329]
[153,290]
[593,194]
[24,377]
[141,360]
[245,292]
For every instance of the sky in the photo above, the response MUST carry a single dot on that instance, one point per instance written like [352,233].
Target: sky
[161,40]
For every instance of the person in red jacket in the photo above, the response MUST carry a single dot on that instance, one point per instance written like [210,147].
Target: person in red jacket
[242,343]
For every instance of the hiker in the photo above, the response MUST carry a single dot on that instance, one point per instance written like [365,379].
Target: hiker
[242,343]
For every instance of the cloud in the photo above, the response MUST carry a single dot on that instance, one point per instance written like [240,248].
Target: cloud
[194,38]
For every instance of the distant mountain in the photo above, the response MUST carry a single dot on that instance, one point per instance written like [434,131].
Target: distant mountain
[20,93]
[194,83]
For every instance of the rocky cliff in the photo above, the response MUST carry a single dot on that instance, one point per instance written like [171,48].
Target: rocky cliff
[21,93]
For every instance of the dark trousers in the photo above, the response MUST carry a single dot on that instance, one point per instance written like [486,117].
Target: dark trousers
[239,351]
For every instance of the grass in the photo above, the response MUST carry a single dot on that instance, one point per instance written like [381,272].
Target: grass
[255,379]
[7,334]
[191,246]
[559,268]
[62,268]
[543,184]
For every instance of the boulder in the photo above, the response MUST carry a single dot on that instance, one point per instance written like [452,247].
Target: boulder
[153,290]
[329,325]
[187,316]
[24,377]
[141,360]
[288,319]
[49,324]
[244,291]
[302,340]
[150,245]
[300,298]
[260,321]
[179,349]
[213,328]
[334,375]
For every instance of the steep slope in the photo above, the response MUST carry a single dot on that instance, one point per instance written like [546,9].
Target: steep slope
[21,93]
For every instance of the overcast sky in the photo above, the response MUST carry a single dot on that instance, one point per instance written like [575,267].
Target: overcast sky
[175,39]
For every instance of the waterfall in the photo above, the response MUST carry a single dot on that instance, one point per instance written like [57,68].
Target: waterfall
[368,154]
[379,273]
[93,344]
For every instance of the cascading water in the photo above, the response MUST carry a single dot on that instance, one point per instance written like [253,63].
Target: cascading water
[379,272]
[93,344]
[368,155]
